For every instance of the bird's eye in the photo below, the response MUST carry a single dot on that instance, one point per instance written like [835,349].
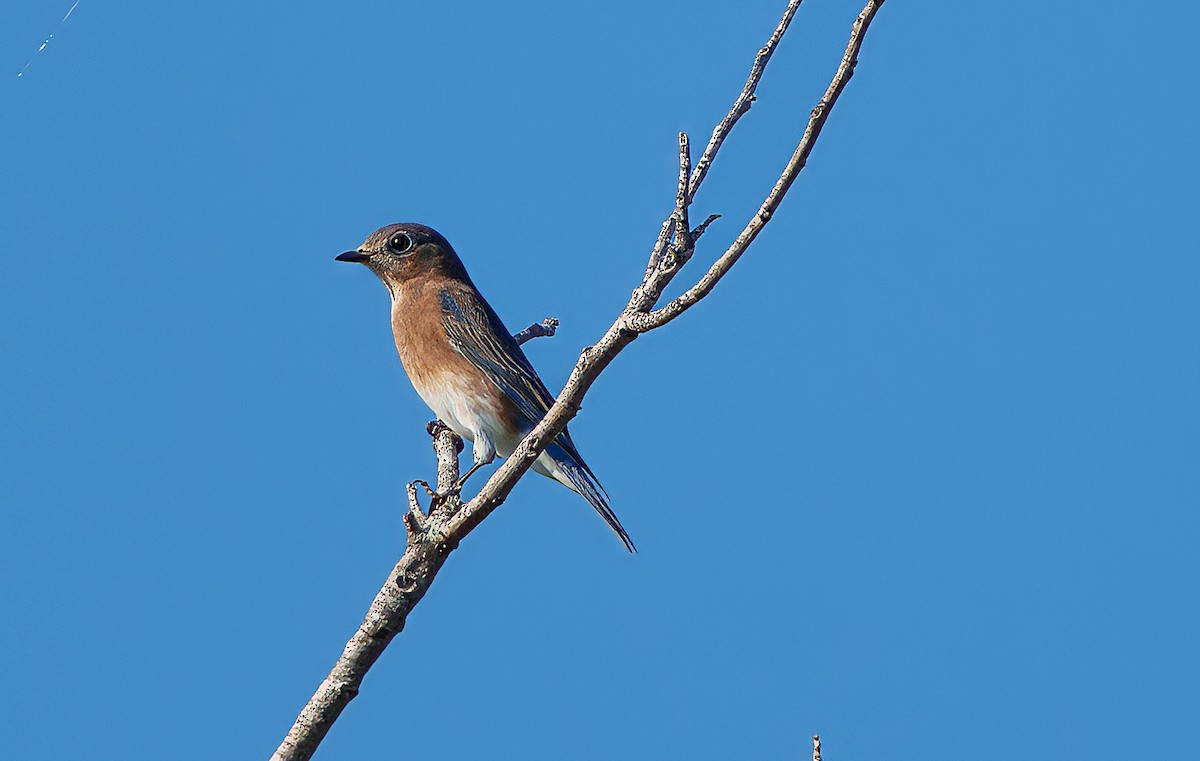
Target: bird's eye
[400,243]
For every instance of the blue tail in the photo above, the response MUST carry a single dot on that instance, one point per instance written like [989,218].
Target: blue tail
[583,481]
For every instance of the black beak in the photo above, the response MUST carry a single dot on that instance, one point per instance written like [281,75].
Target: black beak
[353,256]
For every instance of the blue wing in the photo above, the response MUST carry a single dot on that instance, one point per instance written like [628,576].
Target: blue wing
[476,332]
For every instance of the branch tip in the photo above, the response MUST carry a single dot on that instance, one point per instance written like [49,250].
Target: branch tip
[704,226]
[414,504]
[546,327]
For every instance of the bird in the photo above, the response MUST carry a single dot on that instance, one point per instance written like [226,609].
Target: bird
[464,363]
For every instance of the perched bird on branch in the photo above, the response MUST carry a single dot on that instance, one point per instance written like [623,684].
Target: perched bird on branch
[464,363]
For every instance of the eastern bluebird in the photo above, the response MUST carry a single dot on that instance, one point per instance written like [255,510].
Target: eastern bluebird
[463,362]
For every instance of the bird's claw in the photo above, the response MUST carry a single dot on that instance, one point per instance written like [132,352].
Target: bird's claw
[439,497]
[457,488]
[428,489]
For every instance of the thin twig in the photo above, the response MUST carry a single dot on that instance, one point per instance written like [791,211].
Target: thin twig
[447,448]
[679,252]
[744,100]
[546,327]
[703,226]
[816,120]
[643,299]
[415,519]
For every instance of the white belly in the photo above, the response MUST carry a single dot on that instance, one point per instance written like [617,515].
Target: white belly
[459,405]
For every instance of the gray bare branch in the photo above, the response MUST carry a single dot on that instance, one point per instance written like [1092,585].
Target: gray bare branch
[434,535]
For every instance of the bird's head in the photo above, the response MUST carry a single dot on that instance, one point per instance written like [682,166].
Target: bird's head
[407,251]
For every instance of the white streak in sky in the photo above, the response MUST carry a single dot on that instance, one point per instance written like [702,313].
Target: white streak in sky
[46,41]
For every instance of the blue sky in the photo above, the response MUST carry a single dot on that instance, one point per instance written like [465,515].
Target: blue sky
[920,476]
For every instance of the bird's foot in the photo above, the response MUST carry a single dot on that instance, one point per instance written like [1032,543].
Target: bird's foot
[457,488]
[428,489]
